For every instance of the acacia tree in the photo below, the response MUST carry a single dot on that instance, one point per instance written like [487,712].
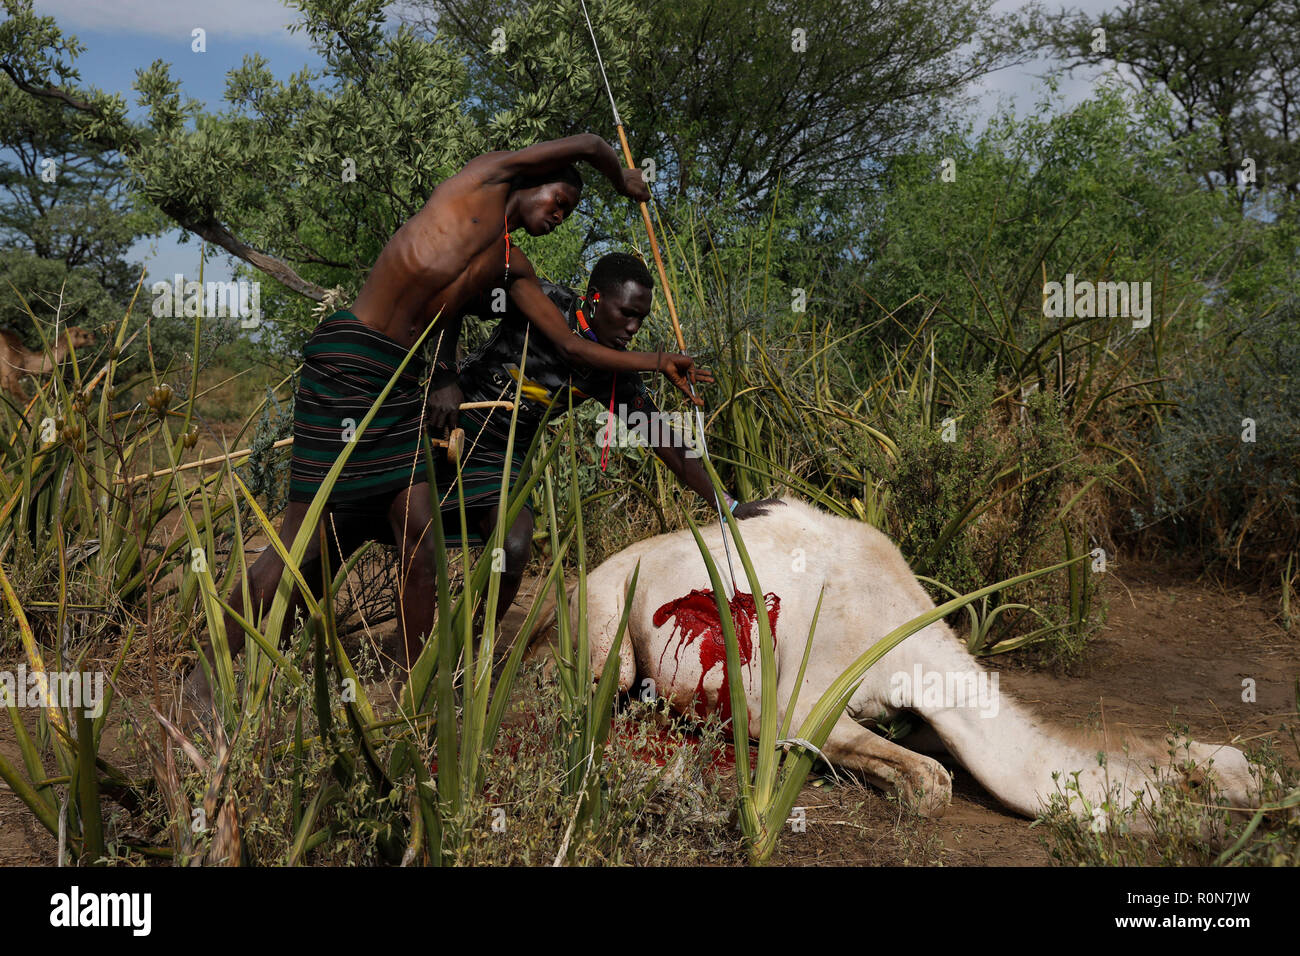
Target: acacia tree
[729,97]
[67,219]
[1232,66]
[303,179]
[749,110]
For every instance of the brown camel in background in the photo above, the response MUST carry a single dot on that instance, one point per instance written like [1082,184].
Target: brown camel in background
[16,360]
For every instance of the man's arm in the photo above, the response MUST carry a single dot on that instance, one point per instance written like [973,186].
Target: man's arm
[541,311]
[635,402]
[690,472]
[446,336]
[444,396]
[549,156]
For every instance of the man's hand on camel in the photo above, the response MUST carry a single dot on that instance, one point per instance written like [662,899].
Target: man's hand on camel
[752,509]
[681,371]
[634,186]
[444,406]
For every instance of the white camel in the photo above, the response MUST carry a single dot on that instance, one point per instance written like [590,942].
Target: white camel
[673,638]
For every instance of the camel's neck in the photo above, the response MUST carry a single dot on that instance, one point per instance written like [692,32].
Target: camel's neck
[1012,755]
[41,363]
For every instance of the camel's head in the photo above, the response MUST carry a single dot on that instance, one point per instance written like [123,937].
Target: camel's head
[1233,778]
[77,336]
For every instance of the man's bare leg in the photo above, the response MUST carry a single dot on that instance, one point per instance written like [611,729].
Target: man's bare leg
[417,575]
[518,547]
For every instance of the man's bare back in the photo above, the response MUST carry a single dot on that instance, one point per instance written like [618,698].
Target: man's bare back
[443,256]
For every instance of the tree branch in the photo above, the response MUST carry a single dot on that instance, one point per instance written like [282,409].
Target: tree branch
[47,92]
[277,269]
[210,229]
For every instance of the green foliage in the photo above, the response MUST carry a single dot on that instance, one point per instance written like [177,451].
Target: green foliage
[267,470]
[1224,485]
[1095,191]
[978,493]
[373,793]
[51,289]
[318,170]
[62,199]
[403,108]
[170,347]
[1231,66]
[722,96]
[67,217]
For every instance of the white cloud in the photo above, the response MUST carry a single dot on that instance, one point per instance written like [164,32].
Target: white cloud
[176,18]
[1022,86]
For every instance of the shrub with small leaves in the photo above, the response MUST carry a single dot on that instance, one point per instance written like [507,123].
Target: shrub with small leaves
[977,489]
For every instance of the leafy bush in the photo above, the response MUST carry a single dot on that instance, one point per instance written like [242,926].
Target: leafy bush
[989,502]
[267,470]
[49,287]
[1224,462]
[1094,190]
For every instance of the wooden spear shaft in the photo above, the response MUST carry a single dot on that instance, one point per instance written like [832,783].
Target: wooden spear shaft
[654,249]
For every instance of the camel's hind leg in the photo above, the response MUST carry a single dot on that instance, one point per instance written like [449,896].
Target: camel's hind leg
[921,781]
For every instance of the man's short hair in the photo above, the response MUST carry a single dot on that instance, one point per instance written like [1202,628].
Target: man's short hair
[618,267]
[565,174]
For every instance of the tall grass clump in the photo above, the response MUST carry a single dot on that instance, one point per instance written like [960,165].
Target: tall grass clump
[990,488]
[112,537]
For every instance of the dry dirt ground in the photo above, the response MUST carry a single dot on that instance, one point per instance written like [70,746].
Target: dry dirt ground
[1174,649]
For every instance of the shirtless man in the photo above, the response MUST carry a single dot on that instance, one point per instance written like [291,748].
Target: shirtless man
[453,250]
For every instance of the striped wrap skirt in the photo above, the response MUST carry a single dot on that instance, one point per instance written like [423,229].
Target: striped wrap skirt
[346,365]
[481,468]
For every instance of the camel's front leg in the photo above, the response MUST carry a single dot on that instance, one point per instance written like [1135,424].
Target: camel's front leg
[604,609]
[921,781]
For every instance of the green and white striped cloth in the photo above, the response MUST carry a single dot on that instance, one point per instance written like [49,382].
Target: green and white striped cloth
[346,365]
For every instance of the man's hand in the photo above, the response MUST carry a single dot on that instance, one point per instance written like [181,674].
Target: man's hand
[752,509]
[681,371]
[633,186]
[444,406]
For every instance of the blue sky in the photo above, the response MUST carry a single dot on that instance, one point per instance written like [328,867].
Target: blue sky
[122,36]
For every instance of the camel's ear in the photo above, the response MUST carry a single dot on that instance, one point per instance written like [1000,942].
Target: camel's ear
[1194,778]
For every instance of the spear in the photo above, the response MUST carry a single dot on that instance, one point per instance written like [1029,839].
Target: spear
[663,280]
